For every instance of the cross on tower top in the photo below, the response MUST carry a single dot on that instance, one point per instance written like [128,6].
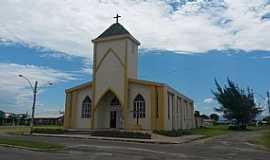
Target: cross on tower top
[116,17]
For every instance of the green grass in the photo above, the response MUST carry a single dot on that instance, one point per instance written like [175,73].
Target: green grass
[26,129]
[211,131]
[31,144]
[264,139]
[49,126]
[17,130]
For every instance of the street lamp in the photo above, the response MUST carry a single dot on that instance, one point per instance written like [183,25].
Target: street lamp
[34,89]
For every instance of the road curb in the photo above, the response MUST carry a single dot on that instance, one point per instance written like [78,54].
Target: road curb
[111,139]
[150,141]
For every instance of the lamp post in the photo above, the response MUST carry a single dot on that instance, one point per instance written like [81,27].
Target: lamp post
[34,89]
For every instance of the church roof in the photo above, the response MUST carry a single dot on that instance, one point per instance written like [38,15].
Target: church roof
[113,30]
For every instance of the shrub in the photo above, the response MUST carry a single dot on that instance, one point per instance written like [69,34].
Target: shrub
[173,133]
[237,127]
[48,130]
[122,134]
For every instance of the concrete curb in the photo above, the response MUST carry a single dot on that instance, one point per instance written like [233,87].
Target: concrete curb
[152,141]
[109,139]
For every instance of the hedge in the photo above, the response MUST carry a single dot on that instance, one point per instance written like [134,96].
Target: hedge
[48,130]
[122,134]
[173,133]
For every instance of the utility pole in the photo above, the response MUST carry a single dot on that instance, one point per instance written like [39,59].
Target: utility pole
[268,101]
[34,89]
[33,107]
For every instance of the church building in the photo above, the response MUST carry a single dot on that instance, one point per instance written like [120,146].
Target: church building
[115,98]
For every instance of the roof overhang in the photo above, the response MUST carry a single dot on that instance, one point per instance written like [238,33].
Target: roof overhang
[79,87]
[117,37]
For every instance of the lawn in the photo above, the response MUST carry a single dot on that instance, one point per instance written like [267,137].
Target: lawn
[16,129]
[26,129]
[207,132]
[264,139]
[212,131]
[30,144]
[49,126]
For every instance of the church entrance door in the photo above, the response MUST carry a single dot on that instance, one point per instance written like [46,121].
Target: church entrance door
[115,110]
[113,119]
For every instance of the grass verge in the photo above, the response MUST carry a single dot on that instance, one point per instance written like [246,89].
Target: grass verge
[26,129]
[211,131]
[207,132]
[49,126]
[31,144]
[264,139]
[16,129]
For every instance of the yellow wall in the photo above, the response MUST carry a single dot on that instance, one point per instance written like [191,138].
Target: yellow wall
[67,115]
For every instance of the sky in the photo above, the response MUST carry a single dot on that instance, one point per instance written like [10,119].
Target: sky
[184,43]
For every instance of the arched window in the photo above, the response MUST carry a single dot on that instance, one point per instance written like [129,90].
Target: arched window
[139,107]
[86,108]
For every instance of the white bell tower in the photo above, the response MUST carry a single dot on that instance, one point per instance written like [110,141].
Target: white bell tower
[115,61]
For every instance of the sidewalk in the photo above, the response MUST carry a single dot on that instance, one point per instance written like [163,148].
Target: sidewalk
[156,139]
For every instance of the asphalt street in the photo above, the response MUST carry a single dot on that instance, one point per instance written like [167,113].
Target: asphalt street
[234,146]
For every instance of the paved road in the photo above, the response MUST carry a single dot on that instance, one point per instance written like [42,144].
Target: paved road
[233,146]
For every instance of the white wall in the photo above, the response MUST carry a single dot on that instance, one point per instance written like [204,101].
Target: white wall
[110,71]
[81,122]
[110,74]
[183,119]
[132,59]
[102,113]
[145,91]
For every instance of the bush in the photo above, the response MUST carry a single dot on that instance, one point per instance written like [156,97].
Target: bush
[122,134]
[173,133]
[48,130]
[238,127]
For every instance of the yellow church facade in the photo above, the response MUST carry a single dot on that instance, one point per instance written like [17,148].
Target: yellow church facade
[116,99]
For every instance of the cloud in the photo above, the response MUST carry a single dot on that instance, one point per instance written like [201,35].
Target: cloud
[208,100]
[54,111]
[191,26]
[15,93]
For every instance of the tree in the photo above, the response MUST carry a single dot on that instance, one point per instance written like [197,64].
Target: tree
[197,113]
[22,119]
[204,116]
[214,116]
[267,118]
[236,103]
[2,116]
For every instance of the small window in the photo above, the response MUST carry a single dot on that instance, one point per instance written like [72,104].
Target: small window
[86,108]
[139,107]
